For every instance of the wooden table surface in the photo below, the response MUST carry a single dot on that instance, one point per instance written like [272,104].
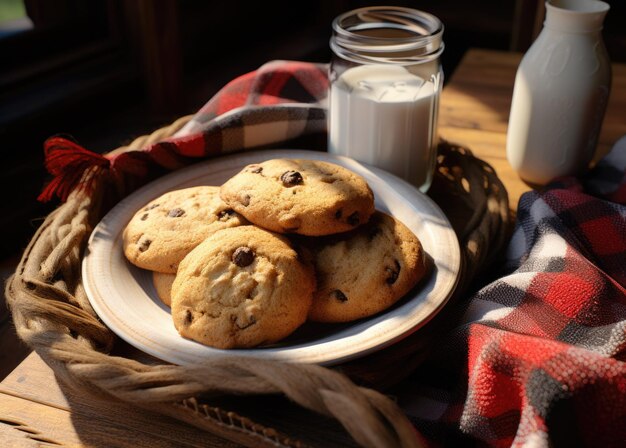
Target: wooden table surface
[475,107]
[36,411]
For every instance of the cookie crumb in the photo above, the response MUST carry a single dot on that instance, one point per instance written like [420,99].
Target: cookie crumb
[251,321]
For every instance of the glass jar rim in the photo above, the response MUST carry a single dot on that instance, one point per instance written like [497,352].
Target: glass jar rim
[424,31]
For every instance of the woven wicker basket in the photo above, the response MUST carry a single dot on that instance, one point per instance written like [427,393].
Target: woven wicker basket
[53,316]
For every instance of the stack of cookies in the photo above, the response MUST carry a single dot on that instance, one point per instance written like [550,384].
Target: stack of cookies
[283,241]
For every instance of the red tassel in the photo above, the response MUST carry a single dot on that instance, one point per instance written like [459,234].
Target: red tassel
[67,162]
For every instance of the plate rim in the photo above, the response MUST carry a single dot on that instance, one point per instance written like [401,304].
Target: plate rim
[111,320]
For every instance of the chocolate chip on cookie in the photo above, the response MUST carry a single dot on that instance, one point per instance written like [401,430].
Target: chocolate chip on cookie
[144,244]
[241,307]
[339,295]
[173,224]
[300,191]
[363,272]
[392,273]
[243,256]
[291,178]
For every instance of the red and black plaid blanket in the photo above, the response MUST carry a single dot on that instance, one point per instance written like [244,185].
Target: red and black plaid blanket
[540,357]
[280,102]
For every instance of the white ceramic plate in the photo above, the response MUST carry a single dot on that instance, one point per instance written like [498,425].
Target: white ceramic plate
[124,297]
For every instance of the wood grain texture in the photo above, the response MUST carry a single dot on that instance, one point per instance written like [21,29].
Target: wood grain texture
[32,396]
[33,384]
[475,108]
[155,35]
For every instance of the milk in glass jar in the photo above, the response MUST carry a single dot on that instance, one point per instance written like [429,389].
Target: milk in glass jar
[385,82]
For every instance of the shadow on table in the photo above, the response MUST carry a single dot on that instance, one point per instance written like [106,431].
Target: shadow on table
[115,424]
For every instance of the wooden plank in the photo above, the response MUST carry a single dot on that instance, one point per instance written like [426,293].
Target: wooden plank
[34,380]
[46,402]
[154,32]
[25,421]
[475,108]
[19,429]
[460,108]
[527,23]
[480,63]
[480,91]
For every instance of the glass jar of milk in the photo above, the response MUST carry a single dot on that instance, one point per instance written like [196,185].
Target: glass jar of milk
[385,81]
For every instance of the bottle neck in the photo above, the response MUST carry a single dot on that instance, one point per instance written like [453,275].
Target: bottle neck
[575,16]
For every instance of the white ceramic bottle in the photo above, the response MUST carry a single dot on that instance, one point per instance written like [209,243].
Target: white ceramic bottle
[561,92]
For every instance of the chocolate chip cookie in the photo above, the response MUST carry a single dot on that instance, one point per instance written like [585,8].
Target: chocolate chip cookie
[306,197]
[163,286]
[365,271]
[160,234]
[241,287]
